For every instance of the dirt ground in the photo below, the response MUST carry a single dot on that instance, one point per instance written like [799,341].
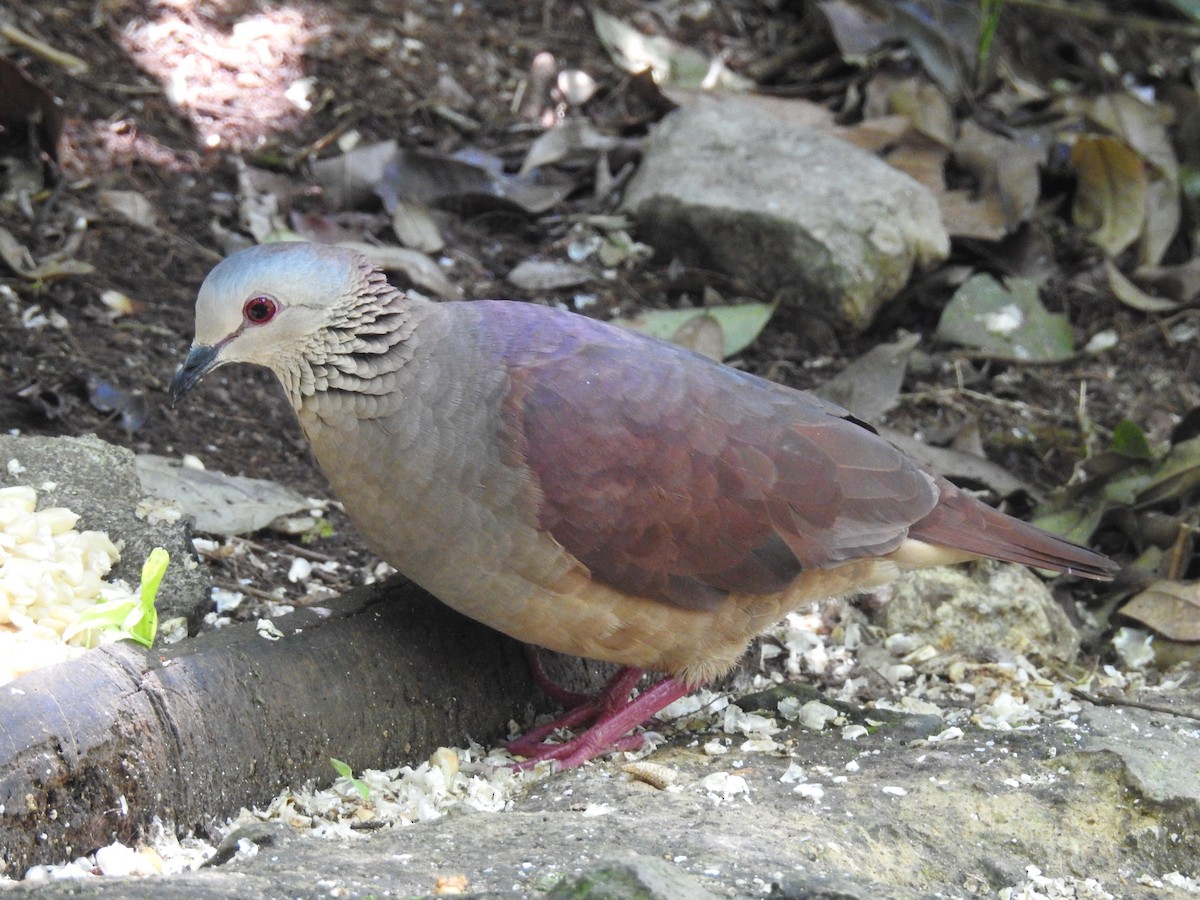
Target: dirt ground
[176,90]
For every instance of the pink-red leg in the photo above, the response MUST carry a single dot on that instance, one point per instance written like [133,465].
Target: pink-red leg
[614,694]
[612,714]
[556,692]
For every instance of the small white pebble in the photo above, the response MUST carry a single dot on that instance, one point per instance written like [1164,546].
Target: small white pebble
[725,785]
[813,792]
[854,732]
[300,570]
[266,629]
[814,715]
[895,791]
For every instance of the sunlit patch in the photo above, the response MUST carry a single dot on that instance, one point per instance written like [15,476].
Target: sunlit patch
[236,84]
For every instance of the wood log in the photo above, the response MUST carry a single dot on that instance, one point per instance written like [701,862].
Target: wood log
[93,749]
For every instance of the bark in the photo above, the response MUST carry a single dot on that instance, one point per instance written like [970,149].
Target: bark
[92,750]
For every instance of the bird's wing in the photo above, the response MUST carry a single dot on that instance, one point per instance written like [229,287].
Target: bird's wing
[676,479]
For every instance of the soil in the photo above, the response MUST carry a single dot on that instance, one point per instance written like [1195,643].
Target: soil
[175,91]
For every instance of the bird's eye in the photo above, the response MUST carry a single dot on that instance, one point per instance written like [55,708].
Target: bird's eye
[260,310]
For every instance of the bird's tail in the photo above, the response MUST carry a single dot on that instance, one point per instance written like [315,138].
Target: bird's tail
[961,522]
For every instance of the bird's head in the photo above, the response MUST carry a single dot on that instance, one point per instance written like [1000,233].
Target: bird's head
[275,305]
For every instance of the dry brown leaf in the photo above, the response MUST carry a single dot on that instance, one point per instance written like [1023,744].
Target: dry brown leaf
[548,275]
[1163,214]
[1111,197]
[133,206]
[966,216]
[875,134]
[414,227]
[702,334]
[1171,608]
[926,108]
[21,261]
[921,103]
[1181,282]
[1132,295]
[923,161]
[1004,167]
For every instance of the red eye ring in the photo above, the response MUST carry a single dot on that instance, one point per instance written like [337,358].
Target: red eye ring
[260,310]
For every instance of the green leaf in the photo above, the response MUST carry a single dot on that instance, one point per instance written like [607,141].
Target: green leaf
[346,772]
[670,62]
[1129,440]
[739,325]
[1009,322]
[144,627]
[134,618]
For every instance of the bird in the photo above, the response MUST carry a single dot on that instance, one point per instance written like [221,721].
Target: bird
[581,487]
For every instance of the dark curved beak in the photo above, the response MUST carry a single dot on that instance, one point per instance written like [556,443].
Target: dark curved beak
[201,359]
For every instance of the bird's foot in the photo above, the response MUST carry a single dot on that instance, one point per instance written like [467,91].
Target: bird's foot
[612,714]
[556,692]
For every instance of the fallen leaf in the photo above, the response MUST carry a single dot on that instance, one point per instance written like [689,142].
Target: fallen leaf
[132,206]
[349,179]
[966,215]
[414,227]
[671,62]
[1004,168]
[869,386]
[417,267]
[1129,440]
[1163,215]
[547,275]
[1009,322]
[1180,282]
[942,35]
[573,139]
[960,466]
[1133,296]
[443,181]
[923,104]
[219,503]
[21,261]
[1110,200]
[740,324]
[702,334]
[1171,608]
[259,199]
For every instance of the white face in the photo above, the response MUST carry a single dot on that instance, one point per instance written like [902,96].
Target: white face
[264,305]
[270,299]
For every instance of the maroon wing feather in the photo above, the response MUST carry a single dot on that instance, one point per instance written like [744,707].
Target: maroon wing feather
[675,478]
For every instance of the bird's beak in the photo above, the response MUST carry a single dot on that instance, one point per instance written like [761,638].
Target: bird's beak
[201,359]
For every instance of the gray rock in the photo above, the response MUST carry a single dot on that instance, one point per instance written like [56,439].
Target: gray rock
[904,821]
[633,877]
[986,611]
[98,481]
[732,185]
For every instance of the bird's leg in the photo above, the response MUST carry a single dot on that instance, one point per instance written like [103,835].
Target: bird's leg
[556,692]
[612,714]
[615,693]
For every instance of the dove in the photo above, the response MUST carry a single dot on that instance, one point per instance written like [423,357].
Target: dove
[581,487]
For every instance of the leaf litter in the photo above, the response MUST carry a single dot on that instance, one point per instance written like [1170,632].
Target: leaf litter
[1100,169]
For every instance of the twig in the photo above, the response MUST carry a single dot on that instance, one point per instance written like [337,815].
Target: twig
[978,396]
[246,589]
[1097,700]
[1090,13]
[73,64]
[296,549]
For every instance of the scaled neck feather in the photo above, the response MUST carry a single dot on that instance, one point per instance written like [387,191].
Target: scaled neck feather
[367,339]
